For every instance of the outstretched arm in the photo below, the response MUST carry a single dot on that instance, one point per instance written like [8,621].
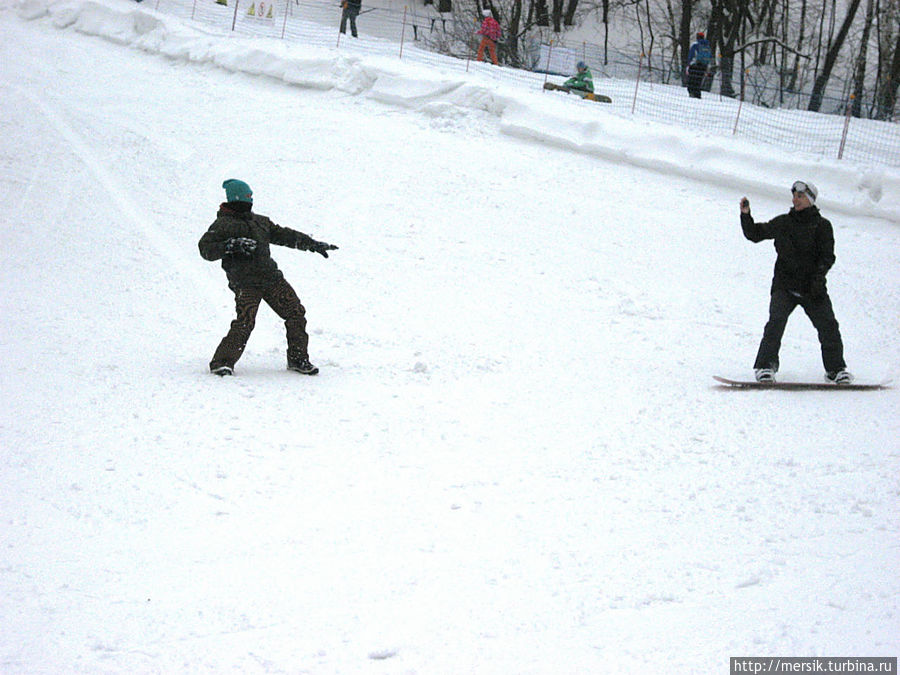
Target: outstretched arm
[285,236]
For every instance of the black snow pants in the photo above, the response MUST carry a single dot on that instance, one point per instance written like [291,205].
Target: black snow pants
[696,73]
[819,311]
[349,13]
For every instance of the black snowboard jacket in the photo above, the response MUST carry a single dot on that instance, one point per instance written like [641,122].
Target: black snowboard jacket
[804,241]
[257,270]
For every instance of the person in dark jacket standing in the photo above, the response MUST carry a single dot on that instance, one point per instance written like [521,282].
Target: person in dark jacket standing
[699,58]
[350,11]
[804,242]
[241,239]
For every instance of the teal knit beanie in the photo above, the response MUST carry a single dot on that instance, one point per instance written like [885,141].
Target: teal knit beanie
[237,191]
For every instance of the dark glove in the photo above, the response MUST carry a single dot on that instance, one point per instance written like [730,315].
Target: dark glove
[240,246]
[817,287]
[322,248]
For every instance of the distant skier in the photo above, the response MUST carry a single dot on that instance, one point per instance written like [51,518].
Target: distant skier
[804,242]
[490,33]
[582,80]
[240,239]
[350,10]
[699,58]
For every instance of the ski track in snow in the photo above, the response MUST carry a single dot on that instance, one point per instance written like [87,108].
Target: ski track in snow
[513,459]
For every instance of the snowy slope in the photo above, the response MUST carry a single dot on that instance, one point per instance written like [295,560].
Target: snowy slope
[512,460]
[439,87]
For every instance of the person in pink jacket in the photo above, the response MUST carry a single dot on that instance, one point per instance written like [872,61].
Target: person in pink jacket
[490,33]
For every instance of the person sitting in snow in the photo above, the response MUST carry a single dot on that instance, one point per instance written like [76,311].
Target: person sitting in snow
[241,239]
[804,242]
[490,33]
[582,80]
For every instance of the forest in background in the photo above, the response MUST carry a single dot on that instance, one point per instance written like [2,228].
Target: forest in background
[776,52]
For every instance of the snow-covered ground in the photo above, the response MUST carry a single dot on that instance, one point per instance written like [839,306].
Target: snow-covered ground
[513,460]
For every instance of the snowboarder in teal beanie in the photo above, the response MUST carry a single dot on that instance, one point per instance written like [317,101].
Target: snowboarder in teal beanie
[237,191]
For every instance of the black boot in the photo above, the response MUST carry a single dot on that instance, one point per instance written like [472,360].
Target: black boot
[302,366]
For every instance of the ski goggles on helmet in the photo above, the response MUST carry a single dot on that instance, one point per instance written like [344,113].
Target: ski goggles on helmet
[808,189]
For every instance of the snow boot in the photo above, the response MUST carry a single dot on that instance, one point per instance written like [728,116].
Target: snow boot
[764,374]
[222,371]
[839,376]
[303,366]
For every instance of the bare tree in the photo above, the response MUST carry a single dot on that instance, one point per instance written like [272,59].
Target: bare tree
[792,84]
[888,74]
[860,70]
[726,25]
[815,99]
[889,89]
[556,15]
[684,33]
[569,16]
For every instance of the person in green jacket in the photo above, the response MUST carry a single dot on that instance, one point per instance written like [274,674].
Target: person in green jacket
[582,80]
[241,239]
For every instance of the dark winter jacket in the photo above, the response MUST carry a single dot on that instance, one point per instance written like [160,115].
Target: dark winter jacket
[257,270]
[804,241]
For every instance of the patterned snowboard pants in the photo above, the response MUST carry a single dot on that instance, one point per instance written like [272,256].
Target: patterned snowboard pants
[284,301]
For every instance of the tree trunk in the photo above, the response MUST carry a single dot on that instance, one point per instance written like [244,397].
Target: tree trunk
[605,32]
[726,22]
[815,99]
[541,13]
[684,34]
[512,24]
[569,17]
[821,36]
[795,71]
[861,60]
[650,31]
[887,98]
[556,15]
[766,15]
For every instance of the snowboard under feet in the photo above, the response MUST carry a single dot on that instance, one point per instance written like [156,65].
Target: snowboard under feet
[725,383]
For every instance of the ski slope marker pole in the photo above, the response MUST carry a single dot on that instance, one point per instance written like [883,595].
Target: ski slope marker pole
[636,83]
[846,127]
[547,69]
[740,105]
[403,31]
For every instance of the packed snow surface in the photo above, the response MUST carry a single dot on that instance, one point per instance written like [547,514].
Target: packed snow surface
[513,460]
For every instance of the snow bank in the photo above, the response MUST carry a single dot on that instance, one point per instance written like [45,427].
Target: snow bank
[520,111]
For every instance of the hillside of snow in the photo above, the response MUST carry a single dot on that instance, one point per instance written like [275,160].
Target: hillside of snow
[513,459]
